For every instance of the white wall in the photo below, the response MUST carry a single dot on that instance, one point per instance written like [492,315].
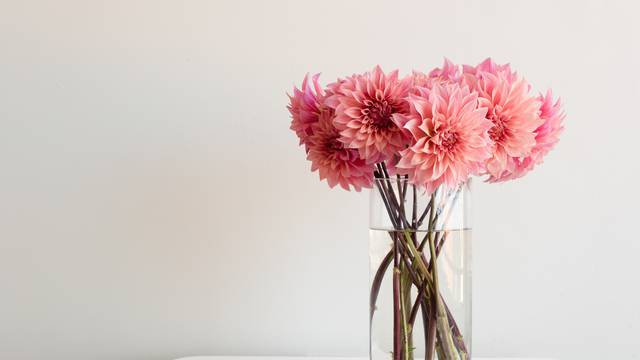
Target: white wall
[153,202]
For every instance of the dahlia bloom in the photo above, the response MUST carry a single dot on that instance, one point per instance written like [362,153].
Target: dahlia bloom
[450,134]
[364,106]
[515,117]
[304,107]
[547,136]
[449,73]
[336,163]
[470,73]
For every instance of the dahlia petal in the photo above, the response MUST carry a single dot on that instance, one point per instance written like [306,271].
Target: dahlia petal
[354,124]
[353,112]
[421,106]
[413,125]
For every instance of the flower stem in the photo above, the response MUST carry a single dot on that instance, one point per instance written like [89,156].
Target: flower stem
[442,322]
[397,320]
[377,282]
[405,291]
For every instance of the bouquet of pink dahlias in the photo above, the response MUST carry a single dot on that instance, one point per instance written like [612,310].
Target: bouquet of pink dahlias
[429,132]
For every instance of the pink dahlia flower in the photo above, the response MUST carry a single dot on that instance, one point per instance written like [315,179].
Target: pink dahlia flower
[514,115]
[450,137]
[336,163]
[547,136]
[488,66]
[364,106]
[305,108]
[449,73]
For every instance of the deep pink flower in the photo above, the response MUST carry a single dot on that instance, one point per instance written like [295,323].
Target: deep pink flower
[336,163]
[450,133]
[364,106]
[547,136]
[305,108]
[515,117]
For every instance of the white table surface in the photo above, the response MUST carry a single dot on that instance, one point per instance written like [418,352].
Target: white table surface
[314,358]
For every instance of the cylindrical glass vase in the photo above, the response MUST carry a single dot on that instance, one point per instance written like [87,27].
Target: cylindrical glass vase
[419,309]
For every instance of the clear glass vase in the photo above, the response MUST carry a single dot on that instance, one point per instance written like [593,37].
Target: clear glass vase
[409,228]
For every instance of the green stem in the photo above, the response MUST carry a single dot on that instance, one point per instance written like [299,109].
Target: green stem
[439,349]
[405,290]
[397,321]
[442,322]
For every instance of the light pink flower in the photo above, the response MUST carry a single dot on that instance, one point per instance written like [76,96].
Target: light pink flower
[305,108]
[418,80]
[450,133]
[470,73]
[514,114]
[449,73]
[364,106]
[334,162]
[547,136]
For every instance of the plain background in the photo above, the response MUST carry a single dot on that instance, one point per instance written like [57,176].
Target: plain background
[154,204]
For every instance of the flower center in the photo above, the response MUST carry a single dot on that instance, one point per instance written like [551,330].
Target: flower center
[333,144]
[497,132]
[448,140]
[377,114]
